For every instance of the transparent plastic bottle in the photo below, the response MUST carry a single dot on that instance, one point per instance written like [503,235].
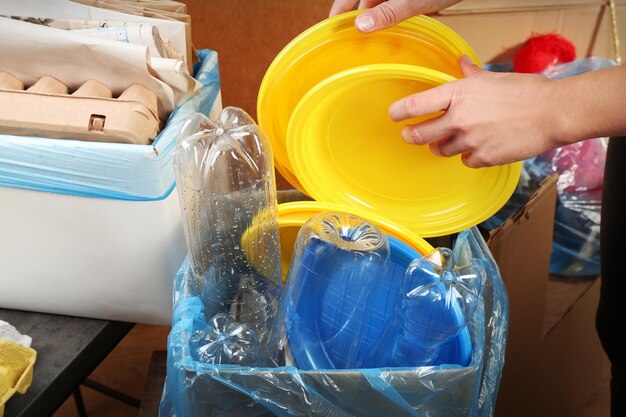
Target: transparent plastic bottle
[338,262]
[225,180]
[437,297]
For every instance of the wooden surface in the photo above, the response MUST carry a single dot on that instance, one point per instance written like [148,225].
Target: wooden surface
[154,385]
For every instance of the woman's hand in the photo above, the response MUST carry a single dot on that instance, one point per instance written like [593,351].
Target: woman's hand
[385,14]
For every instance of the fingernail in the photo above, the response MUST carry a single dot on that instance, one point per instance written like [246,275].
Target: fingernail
[394,112]
[364,22]
[406,134]
[466,59]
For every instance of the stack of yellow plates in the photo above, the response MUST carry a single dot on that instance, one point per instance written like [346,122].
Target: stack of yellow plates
[324,105]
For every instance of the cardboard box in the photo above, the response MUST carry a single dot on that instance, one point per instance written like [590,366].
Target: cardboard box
[554,359]
[496,29]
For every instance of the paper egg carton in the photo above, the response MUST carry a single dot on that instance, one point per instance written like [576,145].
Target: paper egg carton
[90,113]
[16,370]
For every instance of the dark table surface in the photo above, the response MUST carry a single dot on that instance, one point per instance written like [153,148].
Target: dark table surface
[68,350]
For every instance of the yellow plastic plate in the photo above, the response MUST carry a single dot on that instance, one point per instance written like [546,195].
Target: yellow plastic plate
[345,149]
[291,217]
[334,45]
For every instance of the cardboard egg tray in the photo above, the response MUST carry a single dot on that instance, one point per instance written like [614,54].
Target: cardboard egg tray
[90,113]
[16,370]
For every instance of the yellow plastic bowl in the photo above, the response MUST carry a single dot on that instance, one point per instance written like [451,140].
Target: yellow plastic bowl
[334,45]
[345,149]
[291,217]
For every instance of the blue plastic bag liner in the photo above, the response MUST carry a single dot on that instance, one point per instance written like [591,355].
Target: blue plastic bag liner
[227,191]
[576,238]
[106,170]
[199,389]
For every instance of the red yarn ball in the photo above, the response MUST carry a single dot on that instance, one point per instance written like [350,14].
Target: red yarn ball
[542,51]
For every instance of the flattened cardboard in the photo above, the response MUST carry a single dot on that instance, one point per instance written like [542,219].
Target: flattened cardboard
[506,25]
[483,6]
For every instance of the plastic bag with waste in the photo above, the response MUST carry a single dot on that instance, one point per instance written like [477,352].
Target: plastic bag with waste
[195,389]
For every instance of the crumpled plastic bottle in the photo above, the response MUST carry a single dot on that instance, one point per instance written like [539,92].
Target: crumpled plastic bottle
[225,341]
[438,296]
[225,180]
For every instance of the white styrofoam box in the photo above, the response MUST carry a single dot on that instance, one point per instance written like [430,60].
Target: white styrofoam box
[94,229]
[90,257]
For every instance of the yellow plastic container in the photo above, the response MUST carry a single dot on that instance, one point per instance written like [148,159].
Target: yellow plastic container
[334,45]
[344,148]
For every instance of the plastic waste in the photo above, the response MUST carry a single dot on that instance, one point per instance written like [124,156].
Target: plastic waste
[195,389]
[225,341]
[225,178]
[353,299]
[438,297]
[338,260]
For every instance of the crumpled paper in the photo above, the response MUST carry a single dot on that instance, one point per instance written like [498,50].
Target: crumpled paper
[16,363]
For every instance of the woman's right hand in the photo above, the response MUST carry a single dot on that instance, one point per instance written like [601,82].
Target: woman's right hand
[385,14]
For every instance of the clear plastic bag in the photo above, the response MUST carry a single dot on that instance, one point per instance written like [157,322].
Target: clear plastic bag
[199,389]
[227,190]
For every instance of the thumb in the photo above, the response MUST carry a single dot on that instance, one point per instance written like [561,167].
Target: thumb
[383,16]
[469,68]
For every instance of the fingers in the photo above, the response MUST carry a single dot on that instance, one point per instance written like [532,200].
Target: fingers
[385,14]
[471,157]
[445,141]
[427,102]
[471,161]
[448,147]
[468,68]
[368,4]
[341,6]
[429,131]
[454,145]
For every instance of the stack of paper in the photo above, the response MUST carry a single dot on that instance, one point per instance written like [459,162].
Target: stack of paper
[116,42]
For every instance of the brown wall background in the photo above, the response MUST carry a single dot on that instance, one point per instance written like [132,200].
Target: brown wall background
[248,34]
